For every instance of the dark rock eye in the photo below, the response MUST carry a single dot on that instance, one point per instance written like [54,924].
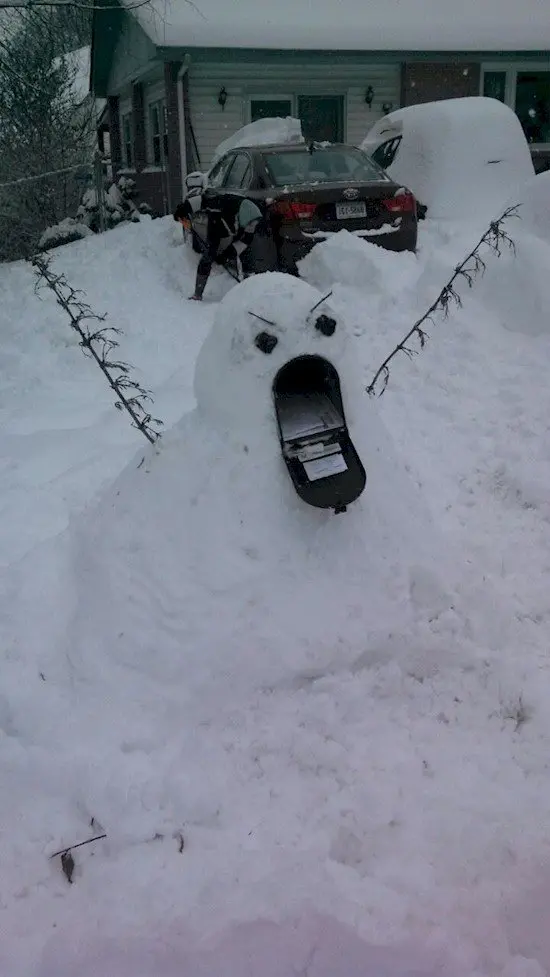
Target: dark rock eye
[265,342]
[326,325]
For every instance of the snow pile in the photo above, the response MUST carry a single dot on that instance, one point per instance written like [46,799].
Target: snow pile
[382,25]
[462,157]
[533,200]
[517,286]
[263,132]
[350,260]
[342,733]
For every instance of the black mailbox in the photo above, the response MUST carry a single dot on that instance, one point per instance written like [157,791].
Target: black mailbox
[315,442]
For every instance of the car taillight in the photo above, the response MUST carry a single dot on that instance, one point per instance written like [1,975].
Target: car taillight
[402,203]
[293,210]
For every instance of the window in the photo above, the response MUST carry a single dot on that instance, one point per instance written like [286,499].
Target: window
[158,133]
[217,173]
[127,140]
[494,85]
[525,89]
[533,104]
[385,154]
[331,165]
[240,172]
[270,107]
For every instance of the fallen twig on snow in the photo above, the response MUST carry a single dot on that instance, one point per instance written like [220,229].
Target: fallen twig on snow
[68,848]
[100,343]
[472,265]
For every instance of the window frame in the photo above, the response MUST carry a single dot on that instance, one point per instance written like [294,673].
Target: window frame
[157,105]
[512,69]
[127,145]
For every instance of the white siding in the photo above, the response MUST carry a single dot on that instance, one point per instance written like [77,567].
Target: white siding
[212,125]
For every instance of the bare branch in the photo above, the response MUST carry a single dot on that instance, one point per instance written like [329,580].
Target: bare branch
[98,344]
[63,851]
[469,269]
[35,4]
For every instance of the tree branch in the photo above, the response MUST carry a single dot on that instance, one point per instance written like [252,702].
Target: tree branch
[98,344]
[472,266]
[34,4]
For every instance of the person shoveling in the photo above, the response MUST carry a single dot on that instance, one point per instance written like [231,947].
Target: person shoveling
[223,241]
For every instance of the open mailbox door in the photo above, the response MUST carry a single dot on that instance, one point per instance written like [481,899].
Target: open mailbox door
[316,445]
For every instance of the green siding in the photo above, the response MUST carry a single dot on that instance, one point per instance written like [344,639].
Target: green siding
[134,54]
[211,124]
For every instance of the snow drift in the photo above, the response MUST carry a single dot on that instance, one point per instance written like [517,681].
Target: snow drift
[517,286]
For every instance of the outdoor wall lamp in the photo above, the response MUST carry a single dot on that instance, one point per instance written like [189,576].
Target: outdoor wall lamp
[222,97]
[369,95]
[387,107]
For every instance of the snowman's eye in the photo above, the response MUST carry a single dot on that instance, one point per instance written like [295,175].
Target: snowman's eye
[265,342]
[325,324]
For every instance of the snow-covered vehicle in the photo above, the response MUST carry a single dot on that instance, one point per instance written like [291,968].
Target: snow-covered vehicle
[462,157]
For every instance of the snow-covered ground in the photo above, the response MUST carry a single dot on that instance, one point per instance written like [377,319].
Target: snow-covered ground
[369,797]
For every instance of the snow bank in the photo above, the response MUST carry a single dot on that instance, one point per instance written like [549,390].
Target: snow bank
[533,200]
[318,945]
[200,653]
[383,25]
[350,260]
[462,157]
[263,132]
[517,286]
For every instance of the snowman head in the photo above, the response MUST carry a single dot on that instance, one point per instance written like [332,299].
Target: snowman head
[261,326]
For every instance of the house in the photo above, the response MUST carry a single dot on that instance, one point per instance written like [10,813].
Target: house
[179,76]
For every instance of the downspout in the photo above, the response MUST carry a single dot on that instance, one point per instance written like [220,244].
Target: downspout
[183,121]
[189,150]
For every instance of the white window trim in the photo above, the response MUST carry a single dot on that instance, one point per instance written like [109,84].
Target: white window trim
[512,68]
[269,98]
[126,110]
[151,165]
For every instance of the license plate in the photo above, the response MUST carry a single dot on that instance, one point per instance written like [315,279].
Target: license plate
[345,212]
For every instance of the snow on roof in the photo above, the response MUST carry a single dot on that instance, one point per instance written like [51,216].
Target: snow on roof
[376,25]
[78,63]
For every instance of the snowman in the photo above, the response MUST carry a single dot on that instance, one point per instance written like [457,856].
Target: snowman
[229,532]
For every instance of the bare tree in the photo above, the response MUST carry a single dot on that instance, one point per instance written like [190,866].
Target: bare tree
[47,125]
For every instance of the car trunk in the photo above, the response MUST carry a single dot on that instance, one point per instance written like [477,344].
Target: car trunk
[325,208]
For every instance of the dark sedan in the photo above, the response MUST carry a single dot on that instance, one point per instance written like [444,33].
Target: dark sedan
[307,193]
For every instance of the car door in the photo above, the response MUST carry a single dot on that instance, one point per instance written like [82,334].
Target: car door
[211,194]
[242,182]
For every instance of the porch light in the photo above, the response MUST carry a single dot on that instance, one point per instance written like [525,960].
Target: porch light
[222,97]
[369,95]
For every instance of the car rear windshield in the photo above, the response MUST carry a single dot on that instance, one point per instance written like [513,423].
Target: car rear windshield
[334,165]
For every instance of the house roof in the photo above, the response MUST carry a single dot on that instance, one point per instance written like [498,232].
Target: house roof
[369,25]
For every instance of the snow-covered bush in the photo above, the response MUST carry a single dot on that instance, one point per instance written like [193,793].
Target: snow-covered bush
[65,232]
[118,205]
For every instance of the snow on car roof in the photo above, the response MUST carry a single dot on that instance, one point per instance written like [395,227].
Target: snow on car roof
[353,25]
